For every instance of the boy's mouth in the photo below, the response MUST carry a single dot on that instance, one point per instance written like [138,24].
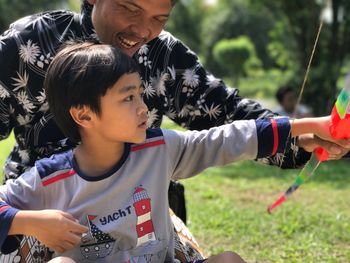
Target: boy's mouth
[143,125]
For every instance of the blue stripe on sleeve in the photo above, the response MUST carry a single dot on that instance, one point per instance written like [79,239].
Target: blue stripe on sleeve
[7,213]
[283,125]
[266,139]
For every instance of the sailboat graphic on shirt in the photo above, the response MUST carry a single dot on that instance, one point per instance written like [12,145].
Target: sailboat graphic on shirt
[96,244]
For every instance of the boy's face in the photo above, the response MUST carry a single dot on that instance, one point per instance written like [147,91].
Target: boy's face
[128,24]
[123,114]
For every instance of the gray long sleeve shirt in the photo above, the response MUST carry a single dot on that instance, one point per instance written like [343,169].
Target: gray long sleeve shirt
[126,209]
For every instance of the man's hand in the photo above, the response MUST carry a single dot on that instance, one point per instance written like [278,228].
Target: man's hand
[56,229]
[336,148]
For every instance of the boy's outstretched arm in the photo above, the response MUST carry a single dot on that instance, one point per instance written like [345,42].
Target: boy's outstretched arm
[56,229]
[241,140]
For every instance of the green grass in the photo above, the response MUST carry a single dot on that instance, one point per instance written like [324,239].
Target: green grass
[227,211]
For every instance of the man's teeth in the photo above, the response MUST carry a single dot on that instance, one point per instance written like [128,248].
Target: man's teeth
[127,43]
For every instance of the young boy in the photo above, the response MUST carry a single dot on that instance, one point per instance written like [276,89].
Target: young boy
[110,192]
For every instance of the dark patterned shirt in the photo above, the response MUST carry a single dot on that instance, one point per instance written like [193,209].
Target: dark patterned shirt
[176,85]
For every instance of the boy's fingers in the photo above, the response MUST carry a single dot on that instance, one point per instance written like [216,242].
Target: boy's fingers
[68,216]
[74,238]
[77,228]
[330,147]
[343,143]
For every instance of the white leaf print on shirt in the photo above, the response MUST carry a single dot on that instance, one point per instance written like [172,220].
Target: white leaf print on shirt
[24,155]
[42,97]
[152,117]
[23,120]
[212,82]
[143,50]
[213,111]
[3,92]
[148,90]
[190,78]
[24,101]
[29,52]
[158,82]
[21,81]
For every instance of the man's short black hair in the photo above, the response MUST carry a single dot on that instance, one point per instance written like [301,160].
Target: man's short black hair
[79,75]
[282,91]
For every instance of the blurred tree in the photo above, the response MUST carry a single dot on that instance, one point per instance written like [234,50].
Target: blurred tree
[186,22]
[15,9]
[237,56]
[231,19]
[303,18]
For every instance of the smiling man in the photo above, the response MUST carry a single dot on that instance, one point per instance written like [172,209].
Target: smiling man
[176,84]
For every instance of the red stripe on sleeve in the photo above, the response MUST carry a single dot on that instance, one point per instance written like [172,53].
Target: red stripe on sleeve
[58,177]
[147,145]
[275,136]
[3,208]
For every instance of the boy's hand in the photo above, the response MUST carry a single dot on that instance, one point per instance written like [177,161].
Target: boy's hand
[56,229]
[336,149]
[321,137]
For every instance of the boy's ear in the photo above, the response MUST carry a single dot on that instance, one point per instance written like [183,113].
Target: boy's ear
[82,115]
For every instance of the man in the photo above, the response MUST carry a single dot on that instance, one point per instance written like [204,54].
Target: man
[176,84]
[287,100]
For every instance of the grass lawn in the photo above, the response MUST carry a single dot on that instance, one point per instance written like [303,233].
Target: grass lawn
[227,211]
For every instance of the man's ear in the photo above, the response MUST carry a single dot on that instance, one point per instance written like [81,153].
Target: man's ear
[82,115]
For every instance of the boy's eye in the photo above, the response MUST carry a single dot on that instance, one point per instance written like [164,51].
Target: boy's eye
[130,98]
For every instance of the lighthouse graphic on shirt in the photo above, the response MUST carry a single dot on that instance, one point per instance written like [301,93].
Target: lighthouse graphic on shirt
[143,210]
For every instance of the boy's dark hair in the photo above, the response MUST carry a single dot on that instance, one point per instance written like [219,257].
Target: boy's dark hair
[79,75]
[282,91]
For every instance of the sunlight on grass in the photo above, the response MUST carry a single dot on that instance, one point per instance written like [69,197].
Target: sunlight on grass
[227,211]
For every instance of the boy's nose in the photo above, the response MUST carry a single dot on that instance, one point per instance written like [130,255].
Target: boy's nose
[142,107]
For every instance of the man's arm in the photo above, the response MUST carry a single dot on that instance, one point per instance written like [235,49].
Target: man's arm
[196,100]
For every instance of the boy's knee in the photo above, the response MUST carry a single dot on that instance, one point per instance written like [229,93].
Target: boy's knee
[61,260]
[230,257]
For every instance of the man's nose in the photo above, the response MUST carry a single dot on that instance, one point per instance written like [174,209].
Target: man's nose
[141,28]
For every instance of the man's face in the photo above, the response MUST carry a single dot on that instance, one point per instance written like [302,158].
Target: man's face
[129,24]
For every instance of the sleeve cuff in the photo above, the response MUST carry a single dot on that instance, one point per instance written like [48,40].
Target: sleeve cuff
[7,213]
[273,136]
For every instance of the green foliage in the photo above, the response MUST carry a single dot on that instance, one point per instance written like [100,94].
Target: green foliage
[237,56]
[15,9]
[185,22]
[302,20]
[231,19]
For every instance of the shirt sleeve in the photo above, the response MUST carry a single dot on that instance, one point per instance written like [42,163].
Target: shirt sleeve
[194,151]
[23,193]
[197,100]
[9,62]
